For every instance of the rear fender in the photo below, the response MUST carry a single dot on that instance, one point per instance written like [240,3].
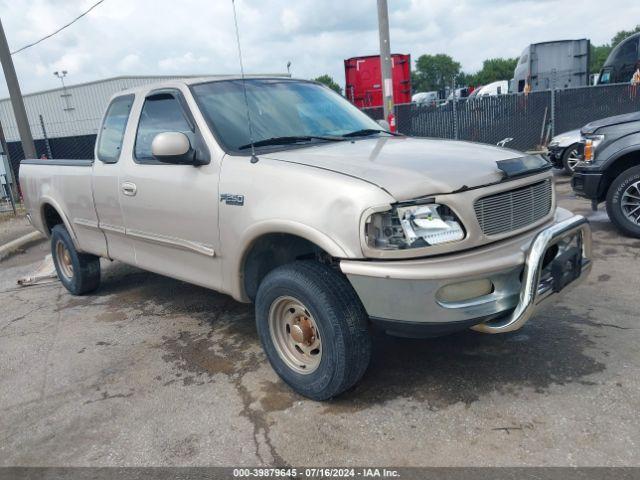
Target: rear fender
[50,201]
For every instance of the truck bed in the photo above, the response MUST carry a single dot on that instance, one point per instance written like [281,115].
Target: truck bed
[66,185]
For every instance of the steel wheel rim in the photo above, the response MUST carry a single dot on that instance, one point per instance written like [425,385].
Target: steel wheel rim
[630,203]
[573,159]
[295,335]
[64,260]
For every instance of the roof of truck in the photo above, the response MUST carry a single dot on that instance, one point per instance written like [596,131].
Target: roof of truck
[203,79]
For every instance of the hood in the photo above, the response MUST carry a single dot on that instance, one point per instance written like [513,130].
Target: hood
[567,138]
[407,167]
[610,121]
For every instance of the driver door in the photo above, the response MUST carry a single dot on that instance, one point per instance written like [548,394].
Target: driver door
[171,210]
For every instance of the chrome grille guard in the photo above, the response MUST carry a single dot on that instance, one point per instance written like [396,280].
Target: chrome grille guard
[529,294]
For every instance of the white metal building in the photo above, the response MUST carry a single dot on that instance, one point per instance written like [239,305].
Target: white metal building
[75,110]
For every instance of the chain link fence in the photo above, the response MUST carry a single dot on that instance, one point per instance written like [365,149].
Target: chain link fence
[54,140]
[575,107]
[524,122]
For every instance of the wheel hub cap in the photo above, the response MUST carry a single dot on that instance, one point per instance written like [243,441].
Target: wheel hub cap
[295,335]
[64,260]
[630,203]
[574,159]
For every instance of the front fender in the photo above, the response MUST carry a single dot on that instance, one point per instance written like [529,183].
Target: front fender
[294,228]
[618,149]
[258,230]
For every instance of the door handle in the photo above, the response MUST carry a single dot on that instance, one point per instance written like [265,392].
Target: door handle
[129,188]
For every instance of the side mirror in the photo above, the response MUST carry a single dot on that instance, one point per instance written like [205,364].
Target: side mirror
[384,124]
[173,147]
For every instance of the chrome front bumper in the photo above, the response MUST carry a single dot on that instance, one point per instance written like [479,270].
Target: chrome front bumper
[405,293]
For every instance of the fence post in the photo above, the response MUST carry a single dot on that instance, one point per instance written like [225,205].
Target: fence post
[10,192]
[552,118]
[46,139]
[455,111]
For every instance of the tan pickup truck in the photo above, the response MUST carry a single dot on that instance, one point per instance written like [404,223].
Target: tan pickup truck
[281,193]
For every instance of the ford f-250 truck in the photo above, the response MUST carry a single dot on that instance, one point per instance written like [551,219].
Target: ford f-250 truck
[280,192]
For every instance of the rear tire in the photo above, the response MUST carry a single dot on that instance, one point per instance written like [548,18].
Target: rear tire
[313,328]
[623,202]
[78,272]
[570,159]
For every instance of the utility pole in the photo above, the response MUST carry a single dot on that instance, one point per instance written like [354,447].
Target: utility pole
[13,86]
[385,58]
[9,176]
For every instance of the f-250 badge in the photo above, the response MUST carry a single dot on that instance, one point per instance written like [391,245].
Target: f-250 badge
[232,199]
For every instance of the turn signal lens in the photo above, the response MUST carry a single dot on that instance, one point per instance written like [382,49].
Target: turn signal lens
[588,151]
[590,146]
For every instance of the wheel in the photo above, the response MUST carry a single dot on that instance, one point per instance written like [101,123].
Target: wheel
[623,202]
[570,159]
[78,272]
[313,328]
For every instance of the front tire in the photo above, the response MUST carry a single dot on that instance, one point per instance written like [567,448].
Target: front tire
[623,202]
[78,272]
[313,328]
[570,159]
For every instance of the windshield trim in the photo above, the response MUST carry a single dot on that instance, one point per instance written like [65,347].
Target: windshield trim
[270,148]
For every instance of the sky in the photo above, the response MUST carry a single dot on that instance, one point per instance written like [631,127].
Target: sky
[169,37]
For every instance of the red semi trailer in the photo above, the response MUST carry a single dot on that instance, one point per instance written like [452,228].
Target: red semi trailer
[363,86]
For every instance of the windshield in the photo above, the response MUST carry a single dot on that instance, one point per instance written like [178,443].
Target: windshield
[279,109]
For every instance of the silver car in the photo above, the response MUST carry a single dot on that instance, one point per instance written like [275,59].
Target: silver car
[564,151]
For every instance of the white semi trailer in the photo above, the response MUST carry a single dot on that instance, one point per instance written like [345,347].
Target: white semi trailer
[552,65]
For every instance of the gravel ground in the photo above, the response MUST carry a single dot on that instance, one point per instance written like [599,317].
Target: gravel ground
[153,371]
[12,227]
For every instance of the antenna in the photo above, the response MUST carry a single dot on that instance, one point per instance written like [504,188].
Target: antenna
[254,159]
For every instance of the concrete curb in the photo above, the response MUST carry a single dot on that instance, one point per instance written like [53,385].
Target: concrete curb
[9,249]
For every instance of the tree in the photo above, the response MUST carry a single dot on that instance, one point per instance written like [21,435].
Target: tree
[599,54]
[434,72]
[329,82]
[495,69]
[622,34]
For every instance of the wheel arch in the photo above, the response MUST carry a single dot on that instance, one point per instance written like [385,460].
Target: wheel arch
[625,160]
[266,247]
[51,214]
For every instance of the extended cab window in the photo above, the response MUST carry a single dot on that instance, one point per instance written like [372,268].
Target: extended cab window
[113,128]
[160,113]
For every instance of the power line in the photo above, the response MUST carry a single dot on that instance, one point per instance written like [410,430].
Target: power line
[60,29]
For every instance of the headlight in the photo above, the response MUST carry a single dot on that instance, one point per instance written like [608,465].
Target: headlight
[590,144]
[555,141]
[413,227]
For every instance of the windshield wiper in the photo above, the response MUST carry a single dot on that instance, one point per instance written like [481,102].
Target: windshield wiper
[366,132]
[289,140]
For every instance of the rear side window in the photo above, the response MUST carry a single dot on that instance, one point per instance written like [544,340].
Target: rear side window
[113,128]
[160,113]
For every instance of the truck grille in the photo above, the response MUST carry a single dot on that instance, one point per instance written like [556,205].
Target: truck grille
[509,211]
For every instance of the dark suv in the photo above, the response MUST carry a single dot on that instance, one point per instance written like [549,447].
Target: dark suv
[610,169]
